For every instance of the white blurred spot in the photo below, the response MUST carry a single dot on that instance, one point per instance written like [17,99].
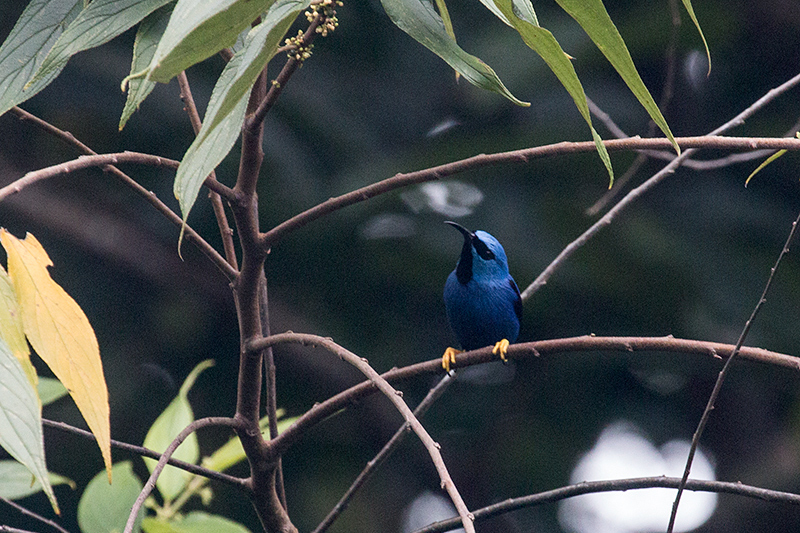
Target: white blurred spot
[695,69]
[388,226]
[492,373]
[662,382]
[622,452]
[449,198]
[442,127]
[426,509]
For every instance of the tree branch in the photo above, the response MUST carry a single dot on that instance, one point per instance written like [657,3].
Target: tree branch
[33,515]
[586,343]
[162,462]
[160,206]
[248,294]
[146,452]
[285,74]
[97,160]
[393,395]
[434,394]
[82,162]
[271,388]
[616,485]
[724,372]
[526,155]
[654,180]
[643,155]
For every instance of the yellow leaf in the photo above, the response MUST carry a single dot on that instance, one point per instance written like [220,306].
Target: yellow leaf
[11,327]
[61,334]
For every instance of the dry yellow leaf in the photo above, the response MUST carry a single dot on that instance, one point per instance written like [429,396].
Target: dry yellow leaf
[60,333]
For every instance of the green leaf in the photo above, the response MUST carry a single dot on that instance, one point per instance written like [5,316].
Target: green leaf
[15,481]
[98,23]
[105,508]
[766,162]
[50,390]
[144,46]
[199,29]
[689,9]
[172,421]
[21,420]
[543,43]
[228,103]
[24,49]
[594,19]
[259,48]
[203,156]
[194,522]
[445,14]
[419,20]
[522,8]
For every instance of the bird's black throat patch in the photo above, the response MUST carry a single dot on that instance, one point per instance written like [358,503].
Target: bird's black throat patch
[464,268]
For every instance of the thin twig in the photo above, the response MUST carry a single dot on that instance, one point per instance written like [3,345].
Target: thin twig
[270,388]
[28,512]
[621,182]
[616,485]
[606,120]
[226,233]
[284,76]
[671,63]
[724,372]
[146,452]
[434,394]
[394,396]
[9,529]
[585,343]
[654,180]
[160,206]
[162,462]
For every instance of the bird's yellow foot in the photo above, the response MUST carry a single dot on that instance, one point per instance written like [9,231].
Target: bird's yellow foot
[501,348]
[449,358]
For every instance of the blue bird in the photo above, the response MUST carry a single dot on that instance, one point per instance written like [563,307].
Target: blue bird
[482,299]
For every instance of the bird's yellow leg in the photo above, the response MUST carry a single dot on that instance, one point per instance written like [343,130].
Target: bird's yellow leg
[449,358]
[501,348]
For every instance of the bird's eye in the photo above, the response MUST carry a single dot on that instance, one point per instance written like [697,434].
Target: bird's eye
[483,251]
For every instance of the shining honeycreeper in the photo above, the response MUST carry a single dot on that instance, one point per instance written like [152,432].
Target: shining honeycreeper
[482,299]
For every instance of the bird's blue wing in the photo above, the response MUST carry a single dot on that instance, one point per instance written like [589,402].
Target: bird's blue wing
[518,300]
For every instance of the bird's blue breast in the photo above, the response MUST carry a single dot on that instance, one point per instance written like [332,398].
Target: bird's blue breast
[482,312]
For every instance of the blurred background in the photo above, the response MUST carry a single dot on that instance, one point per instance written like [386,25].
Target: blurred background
[690,259]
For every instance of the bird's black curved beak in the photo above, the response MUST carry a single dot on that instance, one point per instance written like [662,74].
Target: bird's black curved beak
[468,235]
[464,267]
